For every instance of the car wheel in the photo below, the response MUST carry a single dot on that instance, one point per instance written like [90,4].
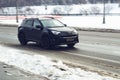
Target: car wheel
[22,39]
[70,45]
[45,42]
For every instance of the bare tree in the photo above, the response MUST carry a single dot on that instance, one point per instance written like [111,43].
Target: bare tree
[67,9]
[57,10]
[1,10]
[11,3]
[95,10]
[28,10]
[108,8]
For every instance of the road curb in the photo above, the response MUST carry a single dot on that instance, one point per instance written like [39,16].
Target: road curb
[97,29]
[77,28]
[9,25]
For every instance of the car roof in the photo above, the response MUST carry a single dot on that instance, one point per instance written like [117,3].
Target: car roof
[40,18]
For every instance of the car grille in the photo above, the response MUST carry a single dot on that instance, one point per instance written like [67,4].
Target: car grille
[67,34]
[70,39]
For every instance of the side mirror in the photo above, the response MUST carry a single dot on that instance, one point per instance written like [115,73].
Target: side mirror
[65,25]
[39,27]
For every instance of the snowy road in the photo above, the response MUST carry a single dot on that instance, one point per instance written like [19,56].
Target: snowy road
[98,50]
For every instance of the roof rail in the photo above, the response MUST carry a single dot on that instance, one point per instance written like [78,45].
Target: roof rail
[47,16]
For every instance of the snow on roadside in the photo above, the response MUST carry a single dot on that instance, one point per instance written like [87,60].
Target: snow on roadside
[41,65]
[112,22]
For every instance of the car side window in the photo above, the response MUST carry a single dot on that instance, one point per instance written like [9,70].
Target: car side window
[36,23]
[23,22]
[29,23]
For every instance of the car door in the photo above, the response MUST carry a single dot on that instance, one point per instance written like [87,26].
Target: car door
[37,30]
[28,27]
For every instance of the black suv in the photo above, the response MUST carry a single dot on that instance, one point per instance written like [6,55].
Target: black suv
[47,32]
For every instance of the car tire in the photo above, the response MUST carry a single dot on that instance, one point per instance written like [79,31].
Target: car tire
[22,39]
[45,42]
[70,45]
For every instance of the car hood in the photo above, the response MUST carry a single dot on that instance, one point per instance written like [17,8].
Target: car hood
[62,29]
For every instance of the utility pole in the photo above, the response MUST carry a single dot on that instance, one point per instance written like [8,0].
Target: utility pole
[17,11]
[103,11]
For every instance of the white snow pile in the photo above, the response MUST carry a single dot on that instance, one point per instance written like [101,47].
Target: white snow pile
[41,65]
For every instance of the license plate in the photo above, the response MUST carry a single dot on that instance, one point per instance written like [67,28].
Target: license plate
[70,39]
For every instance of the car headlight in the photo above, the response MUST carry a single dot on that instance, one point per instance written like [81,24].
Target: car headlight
[75,32]
[56,32]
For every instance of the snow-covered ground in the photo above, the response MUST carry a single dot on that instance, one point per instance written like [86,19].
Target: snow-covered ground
[44,66]
[112,22]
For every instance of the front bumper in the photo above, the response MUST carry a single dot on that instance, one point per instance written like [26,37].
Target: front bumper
[61,40]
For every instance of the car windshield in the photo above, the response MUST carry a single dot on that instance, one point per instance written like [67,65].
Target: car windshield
[51,23]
